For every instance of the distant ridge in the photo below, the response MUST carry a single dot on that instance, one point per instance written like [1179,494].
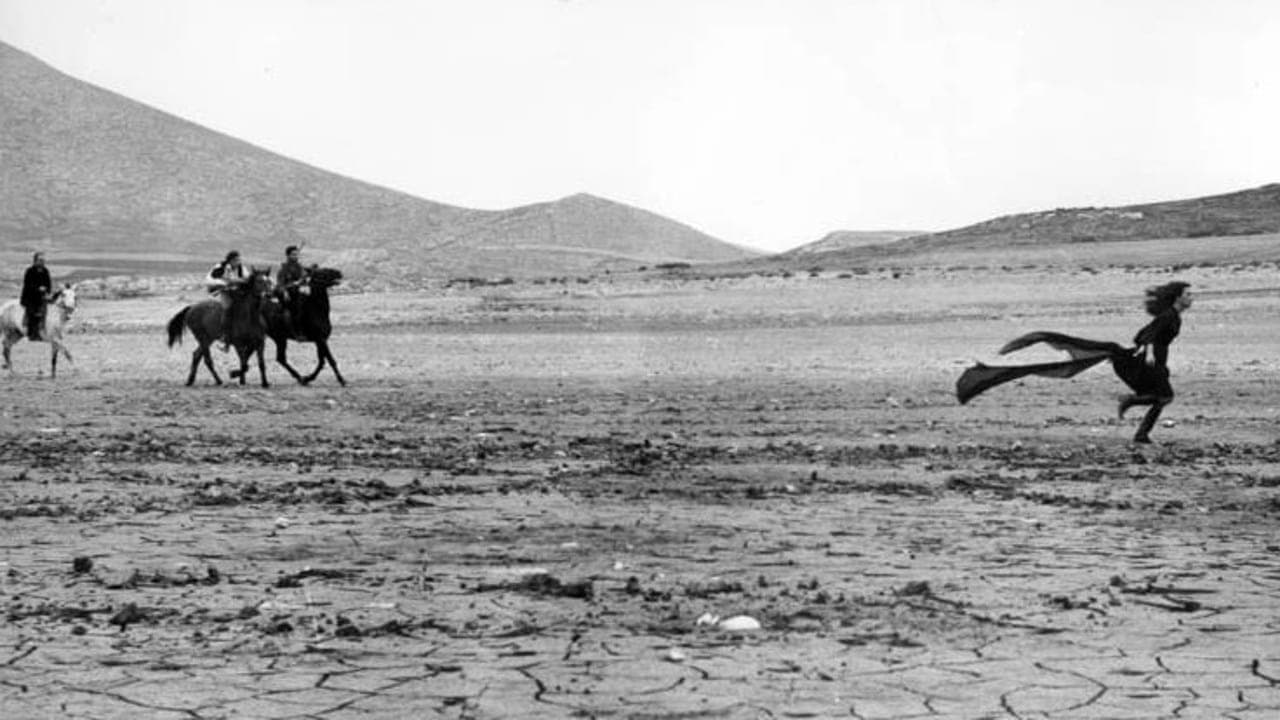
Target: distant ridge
[849,239]
[90,175]
[1241,213]
[593,230]
[1244,212]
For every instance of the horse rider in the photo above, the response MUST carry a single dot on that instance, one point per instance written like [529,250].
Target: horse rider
[291,283]
[221,278]
[35,295]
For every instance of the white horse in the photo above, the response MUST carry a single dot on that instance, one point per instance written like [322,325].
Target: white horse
[13,327]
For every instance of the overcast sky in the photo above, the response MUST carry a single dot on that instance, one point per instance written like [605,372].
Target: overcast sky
[765,123]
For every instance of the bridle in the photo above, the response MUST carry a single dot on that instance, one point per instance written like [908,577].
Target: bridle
[59,300]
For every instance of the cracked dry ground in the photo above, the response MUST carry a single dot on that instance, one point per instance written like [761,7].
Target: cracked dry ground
[532,547]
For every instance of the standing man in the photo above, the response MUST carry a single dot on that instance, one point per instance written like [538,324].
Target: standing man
[291,279]
[35,293]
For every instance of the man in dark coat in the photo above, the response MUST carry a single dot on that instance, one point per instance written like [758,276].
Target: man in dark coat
[35,294]
[291,280]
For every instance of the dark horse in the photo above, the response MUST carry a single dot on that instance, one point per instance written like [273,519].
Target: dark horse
[204,319]
[310,323]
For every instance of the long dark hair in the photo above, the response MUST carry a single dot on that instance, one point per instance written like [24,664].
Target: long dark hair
[1162,297]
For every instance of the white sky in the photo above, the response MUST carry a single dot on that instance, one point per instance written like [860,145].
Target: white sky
[763,122]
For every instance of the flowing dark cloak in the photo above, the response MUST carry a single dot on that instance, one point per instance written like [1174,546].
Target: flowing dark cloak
[1129,365]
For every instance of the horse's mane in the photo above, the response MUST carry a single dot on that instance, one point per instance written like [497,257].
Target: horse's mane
[60,293]
[325,276]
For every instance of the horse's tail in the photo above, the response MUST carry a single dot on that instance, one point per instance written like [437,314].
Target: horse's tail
[176,325]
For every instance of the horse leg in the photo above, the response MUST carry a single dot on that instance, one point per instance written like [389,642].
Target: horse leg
[208,362]
[333,364]
[8,343]
[203,352]
[282,345]
[195,364]
[235,373]
[319,364]
[53,364]
[262,365]
[244,365]
[58,347]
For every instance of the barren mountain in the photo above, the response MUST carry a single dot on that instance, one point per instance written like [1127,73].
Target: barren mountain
[106,184]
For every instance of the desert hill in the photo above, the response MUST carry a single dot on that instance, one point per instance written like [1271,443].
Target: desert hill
[1246,212]
[581,232]
[1231,227]
[106,184]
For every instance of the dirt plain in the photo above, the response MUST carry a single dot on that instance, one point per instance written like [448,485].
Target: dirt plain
[536,500]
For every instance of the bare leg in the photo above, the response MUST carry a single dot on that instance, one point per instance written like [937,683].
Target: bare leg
[1148,421]
[1156,405]
[1129,401]
[1126,402]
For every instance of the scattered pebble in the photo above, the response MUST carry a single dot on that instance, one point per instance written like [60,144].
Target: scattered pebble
[915,587]
[740,623]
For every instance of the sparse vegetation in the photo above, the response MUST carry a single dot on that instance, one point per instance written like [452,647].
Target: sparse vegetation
[472,282]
